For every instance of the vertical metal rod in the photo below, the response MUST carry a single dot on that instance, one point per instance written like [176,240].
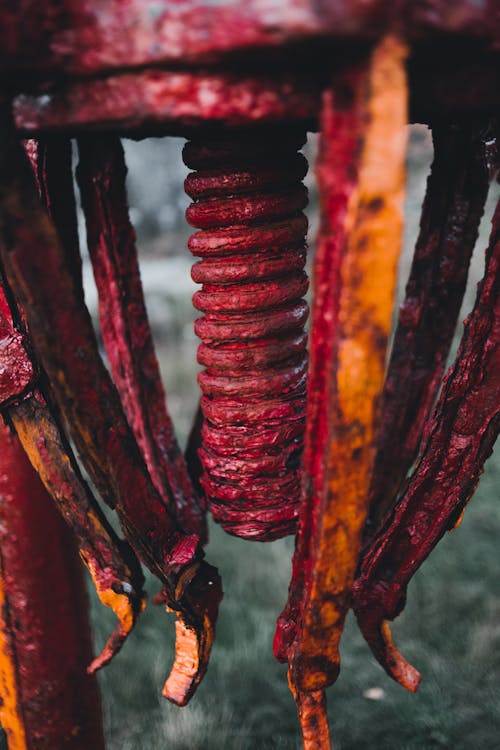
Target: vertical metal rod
[48,699]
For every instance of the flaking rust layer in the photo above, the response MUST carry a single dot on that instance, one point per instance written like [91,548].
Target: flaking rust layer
[113,566]
[85,38]
[125,328]
[248,201]
[47,283]
[458,438]
[361,181]
[451,213]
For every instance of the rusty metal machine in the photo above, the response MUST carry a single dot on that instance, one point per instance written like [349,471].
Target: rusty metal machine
[368,458]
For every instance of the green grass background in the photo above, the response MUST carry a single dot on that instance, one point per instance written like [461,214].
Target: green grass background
[450,629]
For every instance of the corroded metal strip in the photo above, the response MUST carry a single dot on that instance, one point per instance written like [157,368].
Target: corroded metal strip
[451,213]
[114,569]
[459,437]
[161,102]
[46,285]
[444,82]
[48,701]
[85,37]
[361,180]
[50,161]
[125,328]
[113,566]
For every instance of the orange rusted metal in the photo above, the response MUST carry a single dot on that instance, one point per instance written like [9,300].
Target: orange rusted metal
[361,179]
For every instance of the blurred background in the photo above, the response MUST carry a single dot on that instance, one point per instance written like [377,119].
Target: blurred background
[450,629]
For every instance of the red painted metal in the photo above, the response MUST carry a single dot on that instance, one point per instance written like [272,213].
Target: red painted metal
[157,102]
[46,634]
[205,70]
[17,373]
[452,210]
[124,325]
[86,37]
[46,280]
[248,201]
[114,569]
[458,438]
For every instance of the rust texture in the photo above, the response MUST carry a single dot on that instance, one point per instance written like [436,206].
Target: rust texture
[361,180]
[451,213]
[311,708]
[113,567]
[164,67]
[17,372]
[125,330]
[48,701]
[248,201]
[459,437]
[84,37]
[158,102]
[47,283]
[244,82]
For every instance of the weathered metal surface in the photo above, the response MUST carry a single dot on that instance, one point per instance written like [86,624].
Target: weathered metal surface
[458,439]
[445,80]
[48,700]
[45,281]
[17,371]
[160,67]
[248,200]
[84,37]
[112,565]
[125,329]
[164,67]
[361,181]
[160,102]
[451,213]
